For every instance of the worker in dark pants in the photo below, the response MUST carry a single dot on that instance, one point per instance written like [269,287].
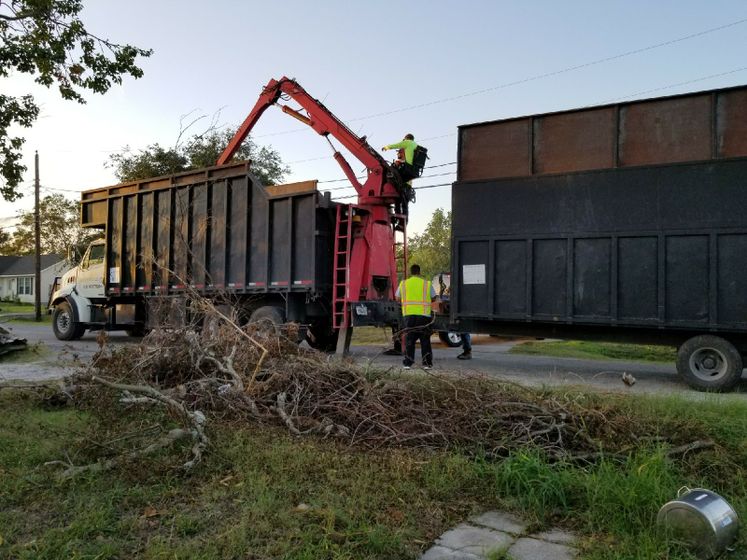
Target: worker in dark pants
[416,294]
[466,346]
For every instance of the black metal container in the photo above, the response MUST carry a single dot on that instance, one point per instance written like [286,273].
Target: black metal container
[626,221]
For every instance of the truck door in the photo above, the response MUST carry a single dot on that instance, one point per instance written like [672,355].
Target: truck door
[91,273]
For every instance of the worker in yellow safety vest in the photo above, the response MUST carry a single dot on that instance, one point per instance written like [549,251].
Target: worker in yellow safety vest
[416,294]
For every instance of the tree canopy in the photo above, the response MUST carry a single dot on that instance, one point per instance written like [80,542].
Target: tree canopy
[432,248]
[60,230]
[201,150]
[47,39]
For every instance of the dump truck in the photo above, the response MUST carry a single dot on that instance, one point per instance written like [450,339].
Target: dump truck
[623,222]
[279,253]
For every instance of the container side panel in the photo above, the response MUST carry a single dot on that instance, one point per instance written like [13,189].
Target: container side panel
[732,278]
[637,282]
[181,237]
[218,237]
[575,141]
[145,270]
[666,131]
[114,242]
[549,269]
[731,124]
[280,211]
[304,212]
[199,235]
[473,287]
[259,238]
[523,205]
[591,278]
[130,245]
[163,237]
[237,233]
[510,278]
[687,278]
[495,150]
[324,248]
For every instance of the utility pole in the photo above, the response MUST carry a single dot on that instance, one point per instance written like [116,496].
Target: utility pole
[37,241]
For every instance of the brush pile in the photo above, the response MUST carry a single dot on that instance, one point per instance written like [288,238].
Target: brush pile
[230,373]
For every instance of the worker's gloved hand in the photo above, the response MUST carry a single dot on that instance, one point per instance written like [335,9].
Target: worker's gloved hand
[384,149]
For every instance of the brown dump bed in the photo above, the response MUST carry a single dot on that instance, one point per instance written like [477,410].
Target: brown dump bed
[212,229]
[695,127]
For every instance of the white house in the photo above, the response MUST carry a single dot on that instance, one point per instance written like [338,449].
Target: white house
[17,276]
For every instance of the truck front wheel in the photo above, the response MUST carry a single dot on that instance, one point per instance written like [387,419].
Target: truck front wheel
[64,325]
[709,363]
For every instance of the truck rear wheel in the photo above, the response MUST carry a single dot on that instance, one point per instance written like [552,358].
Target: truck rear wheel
[64,325]
[322,338]
[709,363]
[269,317]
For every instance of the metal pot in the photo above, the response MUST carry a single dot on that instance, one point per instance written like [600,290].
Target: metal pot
[702,519]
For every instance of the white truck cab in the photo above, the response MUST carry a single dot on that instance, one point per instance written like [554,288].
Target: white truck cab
[78,294]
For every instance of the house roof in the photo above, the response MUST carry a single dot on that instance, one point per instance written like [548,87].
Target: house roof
[22,266]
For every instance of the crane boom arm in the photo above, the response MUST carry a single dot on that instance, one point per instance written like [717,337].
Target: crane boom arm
[378,182]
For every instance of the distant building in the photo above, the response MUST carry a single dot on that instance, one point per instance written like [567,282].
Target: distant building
[17,276]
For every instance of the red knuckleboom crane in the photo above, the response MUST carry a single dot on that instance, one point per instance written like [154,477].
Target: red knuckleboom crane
[365,256]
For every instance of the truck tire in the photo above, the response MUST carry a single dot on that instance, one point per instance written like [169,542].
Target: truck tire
[269,317]
[138,331]
[322,339]
[709,363]
[452,339]
[64,325]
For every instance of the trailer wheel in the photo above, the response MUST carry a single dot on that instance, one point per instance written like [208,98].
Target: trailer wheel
[269,317]
[64,325]
[709,363]
[452,339]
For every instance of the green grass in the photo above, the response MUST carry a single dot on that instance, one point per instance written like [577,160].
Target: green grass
[45,320]
[262,493]
[12,307]
[597,350]
[365,336]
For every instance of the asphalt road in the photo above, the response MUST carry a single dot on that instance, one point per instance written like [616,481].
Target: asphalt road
[490,357]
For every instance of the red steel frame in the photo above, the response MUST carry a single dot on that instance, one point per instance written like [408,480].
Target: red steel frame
[372,232]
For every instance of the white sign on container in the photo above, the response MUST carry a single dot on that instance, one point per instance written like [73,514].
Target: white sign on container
[473,274]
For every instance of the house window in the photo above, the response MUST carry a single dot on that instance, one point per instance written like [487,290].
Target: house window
[25,285]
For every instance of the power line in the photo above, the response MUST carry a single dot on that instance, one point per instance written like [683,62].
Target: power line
[534,77]
[414,188]
[364,176]
[646,92]
[347,187]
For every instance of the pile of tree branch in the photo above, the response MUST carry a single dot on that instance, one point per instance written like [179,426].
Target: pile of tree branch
[228,373]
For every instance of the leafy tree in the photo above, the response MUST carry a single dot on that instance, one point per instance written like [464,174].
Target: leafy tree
[201,150]
[60,230]
[46,39]
[432,248]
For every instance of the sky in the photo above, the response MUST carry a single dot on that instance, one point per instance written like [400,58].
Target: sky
[384,68]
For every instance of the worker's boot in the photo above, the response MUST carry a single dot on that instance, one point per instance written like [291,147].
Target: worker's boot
[466,355]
